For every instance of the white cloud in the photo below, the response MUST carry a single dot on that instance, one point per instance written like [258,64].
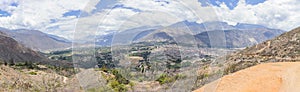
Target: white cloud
[37,14]
[281,14]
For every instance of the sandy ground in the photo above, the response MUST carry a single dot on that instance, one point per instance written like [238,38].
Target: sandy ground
[269,77]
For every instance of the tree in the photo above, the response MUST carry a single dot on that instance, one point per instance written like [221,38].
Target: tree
[173,59]
[11,62]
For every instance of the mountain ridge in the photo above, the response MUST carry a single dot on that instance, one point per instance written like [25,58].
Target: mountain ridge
[37,40]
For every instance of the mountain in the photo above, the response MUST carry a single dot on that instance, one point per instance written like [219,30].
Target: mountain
[171,33]
[124,37]
[197,28]
[239,36]
[248,26]
[186,32]
[11,52]
[37,40]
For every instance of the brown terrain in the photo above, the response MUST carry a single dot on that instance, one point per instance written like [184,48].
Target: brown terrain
[269,77]
[32,80]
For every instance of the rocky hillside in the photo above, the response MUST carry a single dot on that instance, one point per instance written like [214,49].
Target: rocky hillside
[37,40]
[11,52]
[284,48]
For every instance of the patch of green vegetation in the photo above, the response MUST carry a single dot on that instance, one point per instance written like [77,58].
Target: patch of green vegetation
[117,86]
[32,73]
[26,65]
[61,52]
[65,71]
[238,66]
[202,76]
[230,69]
[116,81]
[164,78]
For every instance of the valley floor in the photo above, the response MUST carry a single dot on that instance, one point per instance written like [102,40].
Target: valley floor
[268,77]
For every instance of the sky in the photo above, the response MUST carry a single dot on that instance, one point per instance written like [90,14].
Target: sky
[89,17]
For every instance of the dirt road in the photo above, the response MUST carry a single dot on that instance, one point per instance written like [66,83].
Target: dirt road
[269,77]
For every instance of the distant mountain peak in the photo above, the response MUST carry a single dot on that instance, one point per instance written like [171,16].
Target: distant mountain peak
[246,25]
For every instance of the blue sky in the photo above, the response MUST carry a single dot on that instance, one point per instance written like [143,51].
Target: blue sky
[60,17]
[231,4]
[4,13]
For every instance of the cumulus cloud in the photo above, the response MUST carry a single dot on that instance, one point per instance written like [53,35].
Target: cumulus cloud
[36,14]
[280,14]
[130,14]
[47,15]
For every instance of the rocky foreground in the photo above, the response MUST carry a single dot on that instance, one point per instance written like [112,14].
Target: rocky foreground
[32,80]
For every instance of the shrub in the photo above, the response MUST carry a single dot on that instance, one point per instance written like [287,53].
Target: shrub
[164,78]
[118,86]
[32,73]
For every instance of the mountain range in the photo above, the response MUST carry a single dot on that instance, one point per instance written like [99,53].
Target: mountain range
[37,40]
[238,36]
[185,32]
[11,52]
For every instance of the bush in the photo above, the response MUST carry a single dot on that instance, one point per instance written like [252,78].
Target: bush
[118,87]
[32,73]
[164,78]
[117,82]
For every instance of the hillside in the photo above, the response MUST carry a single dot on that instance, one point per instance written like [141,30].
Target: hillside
[37,40]
[237,38]
[270,77]
[284,48]
[11,52]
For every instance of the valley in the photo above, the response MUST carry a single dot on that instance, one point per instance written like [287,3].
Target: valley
[157,60]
